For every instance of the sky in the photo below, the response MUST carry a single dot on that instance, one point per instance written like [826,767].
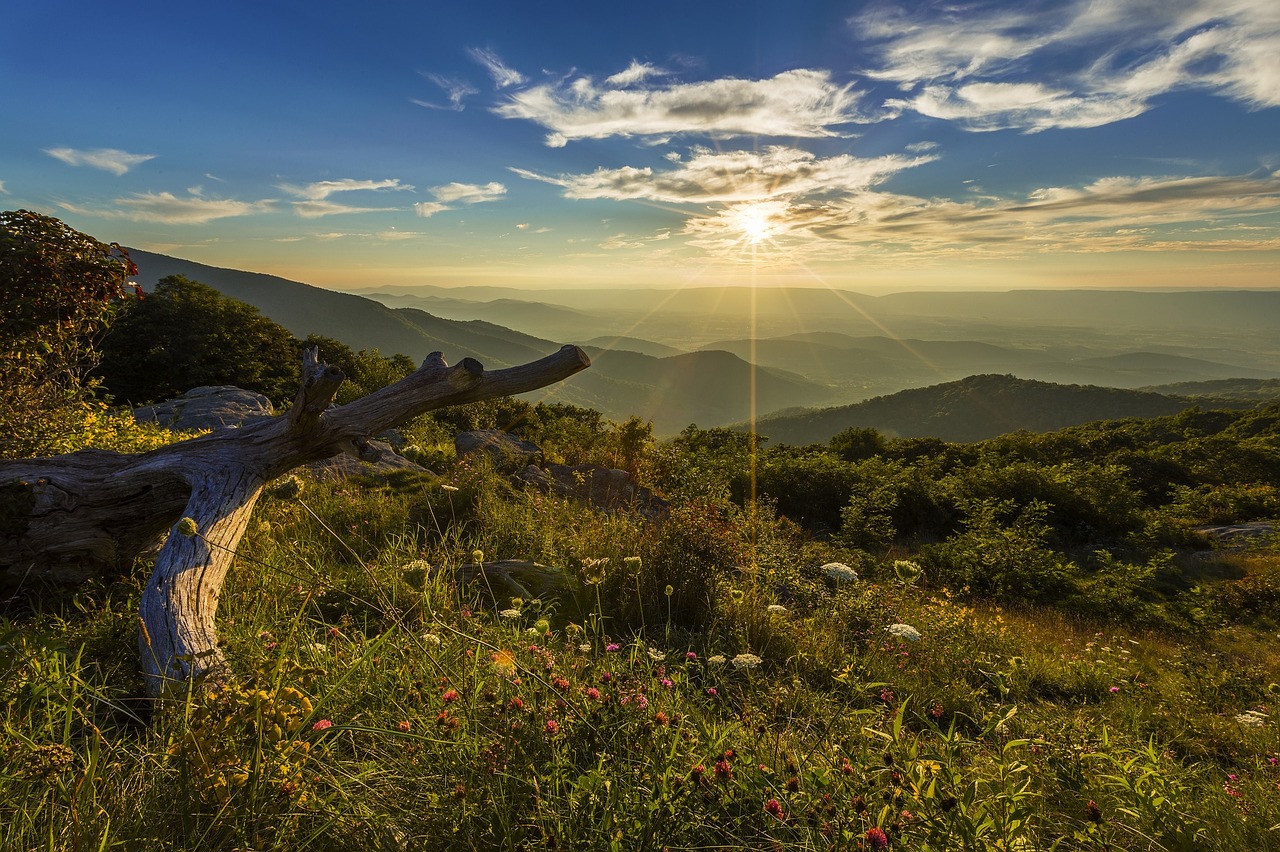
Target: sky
[868,146]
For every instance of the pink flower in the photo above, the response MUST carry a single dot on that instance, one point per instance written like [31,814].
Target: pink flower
[877,839]
[593,693]
[552,726]
[711,690]
[690,655]
[1113,690]
[322,725]
[612,646]
[666,681]
[404,726]
[449,695]
[774,807]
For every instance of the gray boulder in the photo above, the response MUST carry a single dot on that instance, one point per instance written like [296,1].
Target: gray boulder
[602,487]
[371,458]
[207,408]
[505,450]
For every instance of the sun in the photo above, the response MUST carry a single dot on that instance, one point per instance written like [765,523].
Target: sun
[757,221]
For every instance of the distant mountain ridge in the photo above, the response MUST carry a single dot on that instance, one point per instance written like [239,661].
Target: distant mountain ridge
[977,408]
[705,388]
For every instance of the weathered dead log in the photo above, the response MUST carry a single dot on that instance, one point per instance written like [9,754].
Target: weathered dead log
[69,517]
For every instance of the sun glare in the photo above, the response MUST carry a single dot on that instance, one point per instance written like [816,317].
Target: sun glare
[757,221]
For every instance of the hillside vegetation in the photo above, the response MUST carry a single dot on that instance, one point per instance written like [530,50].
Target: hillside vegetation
[1015,644]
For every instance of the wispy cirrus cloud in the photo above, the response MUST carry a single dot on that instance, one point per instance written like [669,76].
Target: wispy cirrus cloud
[455,89]
[169,209]
[980,65]
[108,159]
[468,193]
[503,76]
[636,72]
[798,103]
[315,203]
[710,177]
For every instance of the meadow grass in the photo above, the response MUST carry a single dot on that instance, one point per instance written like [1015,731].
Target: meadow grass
[698,683]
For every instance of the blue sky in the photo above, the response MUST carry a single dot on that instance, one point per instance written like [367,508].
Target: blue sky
[867,146]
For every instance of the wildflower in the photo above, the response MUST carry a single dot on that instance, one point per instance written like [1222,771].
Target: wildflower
[585,647]
[716,659]
[477,555]
[641,702]
[632,561]
[516,703]
[840,572]
[669,590]
[907,571]
[661,719]
[1252,719]
[711,690]
[746,662]
[593,570]
[404,726]
[593,693]
[612,646]
[903,631]
[876,838]
[431,639]
[552,726]
[1113,690]
[187,527]
[690,655]
[509,613]
[504,662]
[775,609]
[450,488]
[774,808]
[667,682]
[449,695]
[1092,812]
[322,725]
[723,770]
[656,655]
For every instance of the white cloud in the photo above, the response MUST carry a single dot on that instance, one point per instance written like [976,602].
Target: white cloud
[468,193]
[108,159]
[455,88]
[427,209]
[166,208]
[636,72]
[733,176]
[498,70]
[317,209]
[2,189]
[979,65]
[320,190]
[798,103]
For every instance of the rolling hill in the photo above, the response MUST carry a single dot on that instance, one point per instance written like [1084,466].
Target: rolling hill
[974,409]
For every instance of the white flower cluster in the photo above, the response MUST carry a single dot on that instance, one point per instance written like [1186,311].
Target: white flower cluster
[840,572]
[776,609]
[509,613]
[716,660]
[431,640]
[656,655]
[903,631]
[744,662]
[1252,719]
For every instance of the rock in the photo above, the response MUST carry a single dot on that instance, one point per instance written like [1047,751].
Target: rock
[605,488]
[505,450]
[1237,535]
[207,408]
[373,458]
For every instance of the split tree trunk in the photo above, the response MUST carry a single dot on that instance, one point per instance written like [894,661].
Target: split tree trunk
[69,517]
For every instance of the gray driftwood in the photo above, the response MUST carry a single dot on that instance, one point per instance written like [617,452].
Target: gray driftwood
[68,517]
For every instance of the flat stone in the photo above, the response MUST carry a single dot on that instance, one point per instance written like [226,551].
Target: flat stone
[217,407]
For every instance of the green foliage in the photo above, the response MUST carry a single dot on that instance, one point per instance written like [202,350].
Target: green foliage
[57,291]
[366,371]
[186,335]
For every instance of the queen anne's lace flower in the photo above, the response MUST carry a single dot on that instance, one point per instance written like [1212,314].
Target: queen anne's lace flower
[840,572]
[904,631]
[776,609]
[1252,719]
[509,613]
[743,662]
